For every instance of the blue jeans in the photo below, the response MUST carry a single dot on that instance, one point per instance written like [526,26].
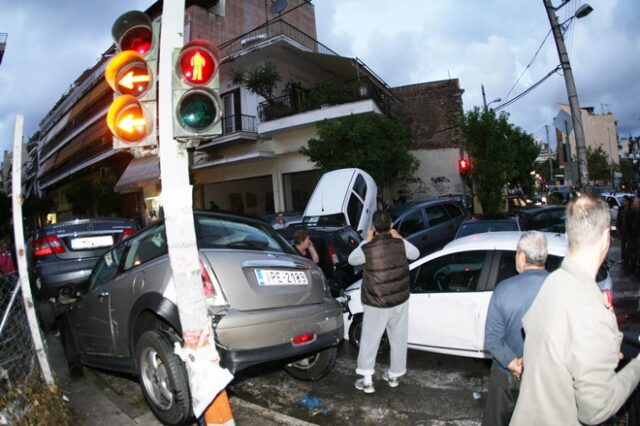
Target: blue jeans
[374,322]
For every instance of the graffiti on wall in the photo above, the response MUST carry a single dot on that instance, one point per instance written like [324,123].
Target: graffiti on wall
[441,185]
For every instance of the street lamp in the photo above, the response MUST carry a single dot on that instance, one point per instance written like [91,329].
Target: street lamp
[484,99]
[574,105]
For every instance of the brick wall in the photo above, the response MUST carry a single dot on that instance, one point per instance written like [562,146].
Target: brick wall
[242,16]
[432,112]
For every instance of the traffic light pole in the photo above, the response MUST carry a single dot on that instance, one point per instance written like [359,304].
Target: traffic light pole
[576,116]
[178,211]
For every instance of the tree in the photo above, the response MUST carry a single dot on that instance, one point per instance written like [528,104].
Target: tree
[598,164]
[500,152]
[260,80]
[371,142]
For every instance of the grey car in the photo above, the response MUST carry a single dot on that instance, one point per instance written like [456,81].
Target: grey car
[428,224]
[64,253]
[266,302]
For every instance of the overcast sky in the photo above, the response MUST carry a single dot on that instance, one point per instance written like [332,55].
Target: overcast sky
[490,42]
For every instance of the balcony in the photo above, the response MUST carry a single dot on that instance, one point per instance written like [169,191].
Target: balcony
[236,128]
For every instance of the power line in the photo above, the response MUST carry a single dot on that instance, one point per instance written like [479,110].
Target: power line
[527,67]
[529,89]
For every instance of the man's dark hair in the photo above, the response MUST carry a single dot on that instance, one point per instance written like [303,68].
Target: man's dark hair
[299,236]
[381,221]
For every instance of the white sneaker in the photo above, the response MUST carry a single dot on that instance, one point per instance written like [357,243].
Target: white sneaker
[366,387]
[393,381]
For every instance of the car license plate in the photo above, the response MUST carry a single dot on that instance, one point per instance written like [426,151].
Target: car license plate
[280,277]
[91,242]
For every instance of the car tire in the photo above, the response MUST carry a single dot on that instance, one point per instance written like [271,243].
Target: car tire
[355,330]
[163,379]
[313,367]
[70,349]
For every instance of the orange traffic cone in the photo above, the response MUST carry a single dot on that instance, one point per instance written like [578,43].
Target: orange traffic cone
[219,412]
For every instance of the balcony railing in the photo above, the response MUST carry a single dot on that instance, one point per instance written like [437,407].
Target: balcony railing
[268,31]
[239,123]
[329,93]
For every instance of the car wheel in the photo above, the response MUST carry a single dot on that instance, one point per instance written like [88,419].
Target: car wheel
[70,349]
[315,366]
[356,330]
[163,378]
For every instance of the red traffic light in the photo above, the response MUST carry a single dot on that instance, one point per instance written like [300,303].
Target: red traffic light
[138,39]
[463,166]
[133,31]
[198,62]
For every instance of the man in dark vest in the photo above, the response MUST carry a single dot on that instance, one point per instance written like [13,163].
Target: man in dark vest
[385,299]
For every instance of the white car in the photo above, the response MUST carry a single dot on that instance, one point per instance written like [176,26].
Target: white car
[614,200]
[451,290]
[344,197]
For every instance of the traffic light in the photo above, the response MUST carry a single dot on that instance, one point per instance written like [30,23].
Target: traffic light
[464,167]
[197,109]
[132,76]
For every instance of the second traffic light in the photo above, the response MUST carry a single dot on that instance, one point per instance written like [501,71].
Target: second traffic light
[464,167]
[132,76]
[197,109]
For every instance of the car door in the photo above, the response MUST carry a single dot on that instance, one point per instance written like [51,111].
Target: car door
[91,314]
[442,228]
[413,226]
[447,304]
[144,269]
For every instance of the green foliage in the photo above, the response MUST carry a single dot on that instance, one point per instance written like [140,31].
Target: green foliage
[371,142]
[259,79]
[598,164]
[500,152]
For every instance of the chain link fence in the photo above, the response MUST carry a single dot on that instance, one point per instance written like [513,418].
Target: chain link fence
[19,368]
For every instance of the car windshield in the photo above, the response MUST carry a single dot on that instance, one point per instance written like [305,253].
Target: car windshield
[480,227]
[217,232]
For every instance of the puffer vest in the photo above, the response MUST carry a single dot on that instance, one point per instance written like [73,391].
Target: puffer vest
[385,279]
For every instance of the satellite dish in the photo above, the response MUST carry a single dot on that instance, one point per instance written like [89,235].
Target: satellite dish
[277,6]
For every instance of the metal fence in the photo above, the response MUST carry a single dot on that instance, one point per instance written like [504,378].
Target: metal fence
[18,363]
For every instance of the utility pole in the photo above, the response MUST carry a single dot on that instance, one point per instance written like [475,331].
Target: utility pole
[571,93]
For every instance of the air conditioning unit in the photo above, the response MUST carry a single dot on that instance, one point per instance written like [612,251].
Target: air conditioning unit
[252,40]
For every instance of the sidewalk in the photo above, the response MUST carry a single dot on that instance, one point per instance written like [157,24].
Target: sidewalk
[103,399]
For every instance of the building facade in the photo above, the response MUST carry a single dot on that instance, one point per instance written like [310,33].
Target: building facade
[255,166]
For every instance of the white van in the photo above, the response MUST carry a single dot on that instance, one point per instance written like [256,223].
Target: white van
[344,197]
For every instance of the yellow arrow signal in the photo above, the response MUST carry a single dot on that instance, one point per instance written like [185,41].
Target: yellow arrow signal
[130,79]
[129,123]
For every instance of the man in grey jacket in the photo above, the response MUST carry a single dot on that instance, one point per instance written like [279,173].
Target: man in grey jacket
[503,329]
[572,339]
[385,299]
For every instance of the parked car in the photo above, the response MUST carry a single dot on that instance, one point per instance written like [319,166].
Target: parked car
[344,197]
[428,224]
[463,199]
[615,202]
[479,224]
[560,194]
[334,244]
[266,303]
[64,253]
[548,218]
[290,217]
[451,290]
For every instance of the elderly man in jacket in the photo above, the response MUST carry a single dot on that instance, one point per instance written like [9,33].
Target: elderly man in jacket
[572,339]
[385,299]
[503,329]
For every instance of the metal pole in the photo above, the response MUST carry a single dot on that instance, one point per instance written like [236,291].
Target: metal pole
[576,117]
[484,97]
[18,232]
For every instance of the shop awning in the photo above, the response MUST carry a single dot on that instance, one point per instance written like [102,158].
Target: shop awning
[139,173]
